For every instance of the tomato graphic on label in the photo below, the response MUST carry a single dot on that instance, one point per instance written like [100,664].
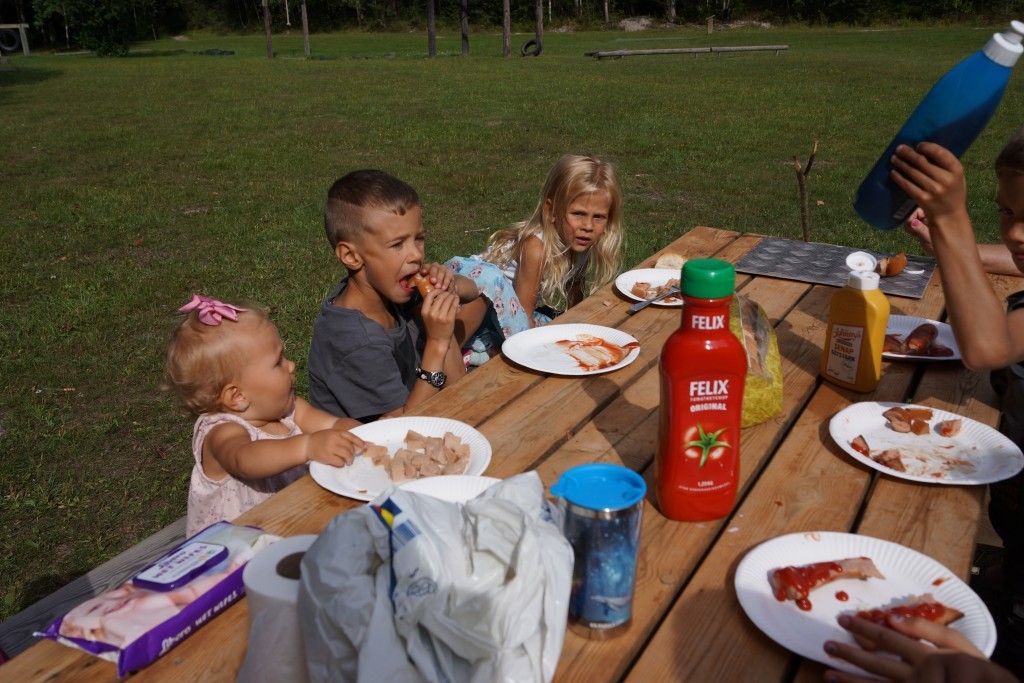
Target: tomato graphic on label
[700,444]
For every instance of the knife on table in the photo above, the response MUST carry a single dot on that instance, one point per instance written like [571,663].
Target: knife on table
[647,302]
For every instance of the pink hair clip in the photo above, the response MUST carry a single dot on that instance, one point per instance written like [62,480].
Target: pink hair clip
[211,311]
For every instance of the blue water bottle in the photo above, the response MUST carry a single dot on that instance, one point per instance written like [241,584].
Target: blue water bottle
[952,114]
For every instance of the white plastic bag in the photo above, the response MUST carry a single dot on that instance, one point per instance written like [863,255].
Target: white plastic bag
[413,588]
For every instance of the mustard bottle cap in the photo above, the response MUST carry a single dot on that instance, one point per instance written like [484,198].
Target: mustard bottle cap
[863,280]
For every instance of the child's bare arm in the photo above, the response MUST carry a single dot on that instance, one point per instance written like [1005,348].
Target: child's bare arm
[229,450]
[934,178]
[311,419]
[528,275]
[438,315]
[466,289]
[575,292]
[995,258]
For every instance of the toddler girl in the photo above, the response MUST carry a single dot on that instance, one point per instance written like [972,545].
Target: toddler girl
[532,269]
[253,436]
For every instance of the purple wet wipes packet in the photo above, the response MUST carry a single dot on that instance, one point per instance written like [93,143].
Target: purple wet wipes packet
[132,625]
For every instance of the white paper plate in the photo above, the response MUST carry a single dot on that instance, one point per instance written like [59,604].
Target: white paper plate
[456,488]
[903,325]
[907,573]
[363,481]
[977,455]
[654,276]
[536,349]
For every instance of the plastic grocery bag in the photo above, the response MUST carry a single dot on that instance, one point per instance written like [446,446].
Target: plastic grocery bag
[411,588]
[762,392]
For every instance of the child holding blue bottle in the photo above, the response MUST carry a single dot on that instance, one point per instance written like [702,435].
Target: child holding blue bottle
[990,336]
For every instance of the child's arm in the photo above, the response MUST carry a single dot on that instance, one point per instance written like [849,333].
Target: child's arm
[988,337]
[229,450]
[440,351]
[995,258]
[528,275]
[311,419]
[576,292]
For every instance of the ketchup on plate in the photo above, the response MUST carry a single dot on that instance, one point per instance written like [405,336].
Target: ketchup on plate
[703,370]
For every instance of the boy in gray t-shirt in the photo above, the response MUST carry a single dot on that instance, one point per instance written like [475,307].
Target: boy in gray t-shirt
[380,345]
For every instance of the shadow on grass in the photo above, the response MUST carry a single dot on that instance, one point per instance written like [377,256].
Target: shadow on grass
[41,586]
[20,76]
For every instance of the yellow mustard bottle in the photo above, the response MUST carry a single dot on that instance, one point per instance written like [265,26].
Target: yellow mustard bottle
[857,318]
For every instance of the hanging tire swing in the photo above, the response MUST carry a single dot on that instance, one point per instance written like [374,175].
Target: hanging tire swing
[9,40]
[530,48]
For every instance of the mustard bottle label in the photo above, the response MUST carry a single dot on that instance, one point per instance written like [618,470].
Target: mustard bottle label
[844,352]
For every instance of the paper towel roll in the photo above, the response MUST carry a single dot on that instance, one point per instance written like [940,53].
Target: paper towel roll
[271,579]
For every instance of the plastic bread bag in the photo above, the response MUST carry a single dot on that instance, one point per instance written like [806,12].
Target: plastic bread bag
[762,393]
[412,588]
[142,619]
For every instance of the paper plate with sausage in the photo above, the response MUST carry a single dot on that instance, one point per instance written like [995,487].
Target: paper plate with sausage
[910,338]
[572,349]
[925,444]
[877,575]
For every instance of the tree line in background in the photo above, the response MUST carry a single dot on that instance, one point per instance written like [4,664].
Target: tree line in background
[110,26]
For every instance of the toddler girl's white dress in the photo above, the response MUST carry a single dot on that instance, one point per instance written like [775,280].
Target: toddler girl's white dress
[211,501]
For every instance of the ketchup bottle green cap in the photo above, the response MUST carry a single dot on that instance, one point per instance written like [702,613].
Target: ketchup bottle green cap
[708,278]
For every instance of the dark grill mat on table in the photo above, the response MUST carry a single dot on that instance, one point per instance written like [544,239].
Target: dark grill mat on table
[825,264]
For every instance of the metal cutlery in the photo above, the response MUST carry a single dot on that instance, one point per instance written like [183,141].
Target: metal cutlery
[647,302]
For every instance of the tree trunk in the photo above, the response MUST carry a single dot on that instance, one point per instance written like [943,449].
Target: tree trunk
[464,21]
[431,30]
[506,28]
[670,11]
[540,26]
[305,30]
[266,29]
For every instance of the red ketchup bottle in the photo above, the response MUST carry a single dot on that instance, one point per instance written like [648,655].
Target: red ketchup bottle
[703,369]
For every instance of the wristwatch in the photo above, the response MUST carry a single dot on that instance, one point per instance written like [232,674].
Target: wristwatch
[436,379]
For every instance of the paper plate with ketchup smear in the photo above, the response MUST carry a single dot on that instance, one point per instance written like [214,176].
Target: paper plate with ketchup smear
[978,454]
[907,573]
[572,349]
[903,325]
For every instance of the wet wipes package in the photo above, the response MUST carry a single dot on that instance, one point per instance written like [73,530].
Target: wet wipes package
[142,619]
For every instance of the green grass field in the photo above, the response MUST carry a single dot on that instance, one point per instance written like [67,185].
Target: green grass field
[127,184]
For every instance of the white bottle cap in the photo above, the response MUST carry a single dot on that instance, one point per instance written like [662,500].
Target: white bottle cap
[1005,48]
[864,280]
[861,260]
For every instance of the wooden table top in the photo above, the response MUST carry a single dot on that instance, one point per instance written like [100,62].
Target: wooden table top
[687,622]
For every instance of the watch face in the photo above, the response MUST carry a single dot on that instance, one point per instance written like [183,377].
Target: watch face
[436,379]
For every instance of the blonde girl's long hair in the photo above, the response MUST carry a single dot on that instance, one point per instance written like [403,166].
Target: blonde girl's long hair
[571,176]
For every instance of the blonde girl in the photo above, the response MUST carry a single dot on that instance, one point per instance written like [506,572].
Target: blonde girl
[568,248]
[253,436]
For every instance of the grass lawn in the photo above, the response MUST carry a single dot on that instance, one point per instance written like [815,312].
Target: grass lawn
[127,184]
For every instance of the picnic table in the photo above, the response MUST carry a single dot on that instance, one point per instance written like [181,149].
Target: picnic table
[687,622]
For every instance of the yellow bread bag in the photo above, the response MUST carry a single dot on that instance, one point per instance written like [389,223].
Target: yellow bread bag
[762,395]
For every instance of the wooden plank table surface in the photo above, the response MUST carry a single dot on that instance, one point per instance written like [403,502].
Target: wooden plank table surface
[687,622]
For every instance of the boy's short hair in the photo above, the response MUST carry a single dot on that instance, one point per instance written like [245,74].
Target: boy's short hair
[344,215]
[1011,159]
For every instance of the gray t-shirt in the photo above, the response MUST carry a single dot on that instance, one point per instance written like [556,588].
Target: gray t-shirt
[357,368]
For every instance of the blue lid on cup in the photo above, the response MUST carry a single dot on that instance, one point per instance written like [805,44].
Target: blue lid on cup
[601,486]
